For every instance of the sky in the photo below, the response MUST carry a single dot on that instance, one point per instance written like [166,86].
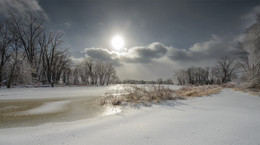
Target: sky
[160,36]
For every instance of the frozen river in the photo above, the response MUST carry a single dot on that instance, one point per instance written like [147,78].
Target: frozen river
[34,106]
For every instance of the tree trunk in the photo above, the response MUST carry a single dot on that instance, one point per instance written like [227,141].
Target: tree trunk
[1,72]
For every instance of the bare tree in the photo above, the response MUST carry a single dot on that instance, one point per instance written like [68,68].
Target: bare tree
[224,69]
[29,29]
[248,55]
[83,72]
[6,51]
[54,59]
[89,65]
[181,76]
[100,70]
[109,72]
[12,65]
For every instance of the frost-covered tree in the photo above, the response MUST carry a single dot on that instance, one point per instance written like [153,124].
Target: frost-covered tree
[224,70]
[29,28]
[248,55]
[6,50]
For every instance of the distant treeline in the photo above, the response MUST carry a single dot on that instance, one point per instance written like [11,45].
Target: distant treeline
[158,81]
[222,72]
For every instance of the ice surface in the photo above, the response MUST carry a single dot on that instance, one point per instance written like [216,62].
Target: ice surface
[56,92]
[47,108]
[59,92]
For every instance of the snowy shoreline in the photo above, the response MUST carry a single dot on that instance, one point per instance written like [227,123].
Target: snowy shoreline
[60,92]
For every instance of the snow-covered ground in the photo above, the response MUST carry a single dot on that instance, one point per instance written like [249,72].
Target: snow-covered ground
[227,118]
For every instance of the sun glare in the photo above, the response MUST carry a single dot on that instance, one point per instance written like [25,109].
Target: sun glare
[117,42]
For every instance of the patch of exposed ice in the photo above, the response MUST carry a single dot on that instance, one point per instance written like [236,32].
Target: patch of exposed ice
[47,108]
[8,107]
[112,110]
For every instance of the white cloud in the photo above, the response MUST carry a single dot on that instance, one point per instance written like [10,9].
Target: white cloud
[250,18]
[145,54]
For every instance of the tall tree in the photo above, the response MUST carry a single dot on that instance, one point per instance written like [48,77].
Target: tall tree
[6,50]
[248,54]
[29,29]
[54,59]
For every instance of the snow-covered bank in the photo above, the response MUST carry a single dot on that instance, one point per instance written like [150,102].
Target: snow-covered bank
[227,118]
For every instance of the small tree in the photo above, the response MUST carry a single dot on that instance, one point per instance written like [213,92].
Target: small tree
[181,77]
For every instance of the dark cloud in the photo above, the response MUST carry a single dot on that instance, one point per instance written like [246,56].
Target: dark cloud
[153,51]
[209,50]
[146,54]
[142,54]
[21,7]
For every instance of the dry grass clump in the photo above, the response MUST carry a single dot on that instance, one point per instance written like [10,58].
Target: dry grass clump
[144,95]
[154,94]
[139,95]
[198,91]
[252,91]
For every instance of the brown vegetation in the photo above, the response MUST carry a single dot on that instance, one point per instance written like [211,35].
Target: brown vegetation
[252,91]
[198,91]
[145,95]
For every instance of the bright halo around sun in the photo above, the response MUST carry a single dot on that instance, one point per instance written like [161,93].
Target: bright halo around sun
[117,42]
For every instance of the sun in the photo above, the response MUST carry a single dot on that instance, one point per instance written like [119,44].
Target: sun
[117,42]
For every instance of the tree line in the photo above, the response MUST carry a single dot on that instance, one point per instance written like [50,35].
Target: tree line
[32,54]
[158,81]
[92,72]
[221,73]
